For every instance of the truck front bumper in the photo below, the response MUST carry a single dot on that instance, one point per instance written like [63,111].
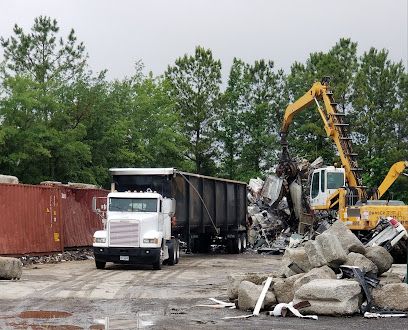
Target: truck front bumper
[131,256]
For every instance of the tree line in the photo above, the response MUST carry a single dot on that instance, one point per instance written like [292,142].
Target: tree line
[61,121]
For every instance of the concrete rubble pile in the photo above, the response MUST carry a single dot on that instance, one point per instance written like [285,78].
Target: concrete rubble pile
[71,255]
[333,274]
[272,220]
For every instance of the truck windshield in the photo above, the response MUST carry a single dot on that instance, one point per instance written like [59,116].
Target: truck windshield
[335,180]
[133,204]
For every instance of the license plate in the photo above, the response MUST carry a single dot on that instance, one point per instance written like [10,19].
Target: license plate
[124,258]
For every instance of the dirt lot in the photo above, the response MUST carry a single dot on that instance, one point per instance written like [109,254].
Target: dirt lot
[75,295]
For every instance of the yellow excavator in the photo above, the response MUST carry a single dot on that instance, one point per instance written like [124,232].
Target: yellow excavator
[339,192]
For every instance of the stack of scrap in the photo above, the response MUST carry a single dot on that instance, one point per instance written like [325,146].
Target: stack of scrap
[268,216]
[335,274]
[273,219]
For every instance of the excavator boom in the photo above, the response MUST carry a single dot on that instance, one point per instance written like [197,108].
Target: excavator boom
[393,174]
[334,125]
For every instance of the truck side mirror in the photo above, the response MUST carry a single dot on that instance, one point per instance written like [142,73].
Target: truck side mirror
[94,209]
[169,206]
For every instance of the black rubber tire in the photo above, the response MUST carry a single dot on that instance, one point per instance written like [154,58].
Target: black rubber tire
[172,253]
[100,264]
[229,246]
[244,242]
[237,244]
[157,265]
[177,251]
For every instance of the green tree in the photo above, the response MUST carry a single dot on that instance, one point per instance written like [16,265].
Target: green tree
[43,56]
[380,116]
[43,135]
[195,87]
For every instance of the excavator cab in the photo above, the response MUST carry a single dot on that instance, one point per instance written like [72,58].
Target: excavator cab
[324,182]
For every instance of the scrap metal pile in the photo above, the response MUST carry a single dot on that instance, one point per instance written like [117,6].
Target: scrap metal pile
[275,207]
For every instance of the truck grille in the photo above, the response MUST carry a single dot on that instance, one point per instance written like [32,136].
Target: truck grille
[124,233]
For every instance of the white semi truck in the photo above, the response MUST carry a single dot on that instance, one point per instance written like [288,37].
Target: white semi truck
[137,230]
[141,223]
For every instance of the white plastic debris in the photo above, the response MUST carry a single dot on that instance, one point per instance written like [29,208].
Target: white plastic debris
[277,311]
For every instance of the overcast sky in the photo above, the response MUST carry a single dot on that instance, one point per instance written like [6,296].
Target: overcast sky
[118,33]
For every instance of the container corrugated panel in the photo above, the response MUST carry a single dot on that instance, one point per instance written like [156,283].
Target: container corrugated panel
[30,220]
[78,220]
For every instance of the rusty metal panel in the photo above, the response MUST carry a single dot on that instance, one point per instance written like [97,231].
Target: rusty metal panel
[78,221]
[30,219]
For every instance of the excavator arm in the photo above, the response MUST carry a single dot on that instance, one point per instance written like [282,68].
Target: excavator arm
[393,174]
[334,125]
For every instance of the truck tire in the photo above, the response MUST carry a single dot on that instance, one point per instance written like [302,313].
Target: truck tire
[237,244]
[234,245]
[157,265]
[100,264]
[172,253]
[243,242]
[177,251]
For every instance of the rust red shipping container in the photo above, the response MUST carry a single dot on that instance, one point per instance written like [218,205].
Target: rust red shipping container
[40,219]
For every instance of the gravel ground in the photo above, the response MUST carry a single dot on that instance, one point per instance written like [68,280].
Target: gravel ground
[75,295]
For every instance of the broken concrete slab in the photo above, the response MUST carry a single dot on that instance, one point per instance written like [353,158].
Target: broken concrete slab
[331,249]
[358,260]
[234,281]
[283,288]
[324,272]
[380,257]
[348,240]
[389,278]
[248,294]
[326,249]
[299,257]
[314,254]
[391,296]
[10,268]
[330,297]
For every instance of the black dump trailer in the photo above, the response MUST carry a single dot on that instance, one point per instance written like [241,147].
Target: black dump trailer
[206,207]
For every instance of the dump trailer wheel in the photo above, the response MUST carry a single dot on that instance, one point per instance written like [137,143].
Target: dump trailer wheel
[172,253]
[100,264]
[237,244]
[234,245]
[243,242]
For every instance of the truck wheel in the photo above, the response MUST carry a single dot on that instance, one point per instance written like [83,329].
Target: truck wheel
[237,244]
[243,242]
[177,251]
[157,265]
[100,264]
[172,253]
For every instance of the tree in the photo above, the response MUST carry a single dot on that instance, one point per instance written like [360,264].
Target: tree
[249,124]
[43,135]
[195,86]
[41,55]
[380,114]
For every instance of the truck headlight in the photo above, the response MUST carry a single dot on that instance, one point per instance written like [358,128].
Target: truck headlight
[151,240]
[99,240]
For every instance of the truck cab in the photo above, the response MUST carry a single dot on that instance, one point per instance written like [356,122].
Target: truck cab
[324,182]
[137,230]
